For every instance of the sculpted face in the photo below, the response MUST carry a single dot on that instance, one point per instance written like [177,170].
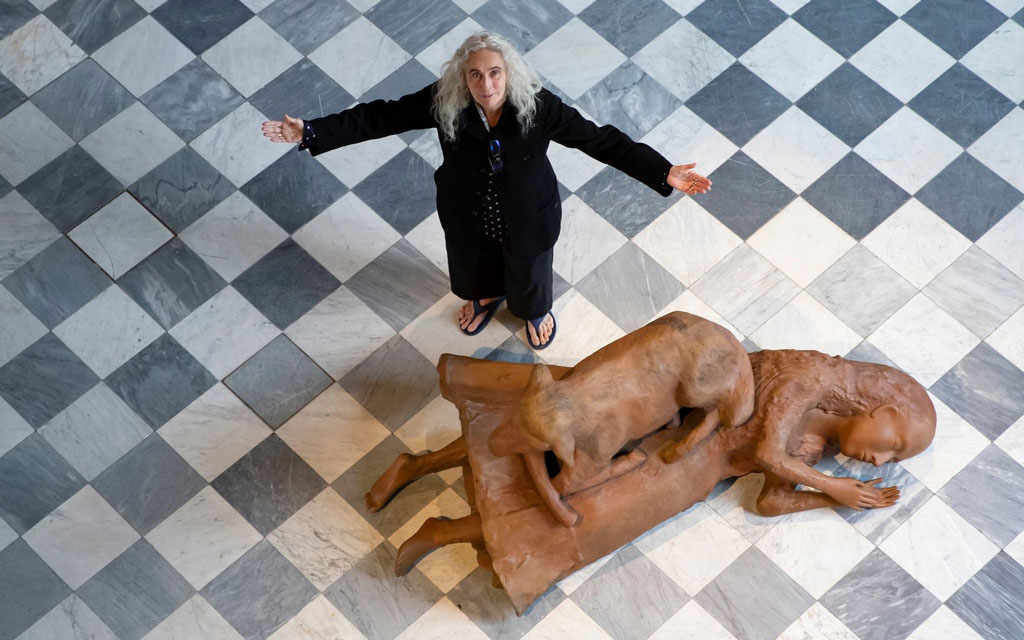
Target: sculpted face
[485,77]
[884,435]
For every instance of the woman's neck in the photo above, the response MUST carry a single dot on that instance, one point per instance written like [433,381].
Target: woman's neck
[492,116]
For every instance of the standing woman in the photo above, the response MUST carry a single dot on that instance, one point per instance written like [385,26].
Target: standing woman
[497,197]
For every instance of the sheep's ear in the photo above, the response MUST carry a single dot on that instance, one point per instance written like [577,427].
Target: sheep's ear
[564,449]
[540,376]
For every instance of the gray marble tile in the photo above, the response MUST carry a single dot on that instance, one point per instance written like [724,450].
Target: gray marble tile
[210,98]
[408,78]
[630,100]
[135,592]
[990,602]
[973,211]
[490,609]
[199,24]
[955,25]
[841,196]
[93,23]
[379,604]
[294,190]
[26,233]
[259,592]
[738,103]
[28,589]
[526,24]
[278,381]
[987,494]
[269,484]
[745,195]
[70,620]
[44,379]
[867,352]
[978,291]
[307,24]
[34,480]
[414,25]
[303,91]
[877,524]
[15,14]
[630,26]
[181,189]
[626,204]
[13,429]
[82,99]
[845,26]
[856,599]
[848,103]
[736,25]
[10,96]
[70,188]
[985,389]
[395,191]
[961,105]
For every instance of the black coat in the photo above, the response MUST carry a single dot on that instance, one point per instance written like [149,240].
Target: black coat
[527,189]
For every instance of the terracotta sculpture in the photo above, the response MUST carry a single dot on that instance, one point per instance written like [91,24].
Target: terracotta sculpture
[807,406]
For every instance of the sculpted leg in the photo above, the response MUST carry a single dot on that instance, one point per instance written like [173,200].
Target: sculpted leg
[435,533]
[407,468]
[705,422]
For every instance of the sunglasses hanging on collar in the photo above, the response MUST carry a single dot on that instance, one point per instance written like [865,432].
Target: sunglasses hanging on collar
[494,156]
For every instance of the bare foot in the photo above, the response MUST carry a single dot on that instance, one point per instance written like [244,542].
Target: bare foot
[466,320]
[669,452]
[387,485]
[418,545]
[546,326]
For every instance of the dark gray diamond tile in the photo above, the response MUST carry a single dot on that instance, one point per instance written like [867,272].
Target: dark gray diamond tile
[10,96]
[15,13]
[987,494]
[286,283]
[135,592]
[56,282]
[210,98]
[877,524]
[408,78]
[82,99]
[200,24]
[182,189]
[28,589]
[985,389]
[395,191]
[745,195]
[269,484]
[415,25]
[625,203]
[738,103]
[990,602]
[34,480]
[70,188]
[303,91]
[954,25]
[630,26]
[393,383]
[526,23]
[278,381]
[845,26]
[771,602]
[843,196]
[377,602]
[148,483]
[736,25]
[93,23]
[961,105]
[849,104]
[399,284]
[307,24]
[629,99]
[294,190]
[630,287]
[5,187]
[491,610]
[259,592]
[630,597]
[877,579]
[972,211]
[867,352]
[171,283]
[1019,17]
[44,379]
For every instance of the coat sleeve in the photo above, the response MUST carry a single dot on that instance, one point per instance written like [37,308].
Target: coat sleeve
[371,120]
[566,126]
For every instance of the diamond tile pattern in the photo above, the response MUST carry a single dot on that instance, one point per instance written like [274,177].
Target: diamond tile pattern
[218,344]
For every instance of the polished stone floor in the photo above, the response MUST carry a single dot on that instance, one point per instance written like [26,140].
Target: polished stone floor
[210,345]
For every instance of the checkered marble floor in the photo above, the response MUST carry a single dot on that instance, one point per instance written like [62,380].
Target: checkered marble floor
[211,345]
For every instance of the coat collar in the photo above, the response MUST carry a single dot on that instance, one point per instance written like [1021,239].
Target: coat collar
[470,122]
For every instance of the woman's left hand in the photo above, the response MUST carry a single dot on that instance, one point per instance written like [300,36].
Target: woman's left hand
[690,182]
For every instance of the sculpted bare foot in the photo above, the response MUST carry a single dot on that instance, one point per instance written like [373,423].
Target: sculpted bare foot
[418,545]
[669,452]
[387,485]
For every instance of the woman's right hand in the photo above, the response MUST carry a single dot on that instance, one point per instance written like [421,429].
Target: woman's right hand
[287,130]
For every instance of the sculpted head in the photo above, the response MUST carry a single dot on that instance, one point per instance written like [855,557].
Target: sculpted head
[540,421]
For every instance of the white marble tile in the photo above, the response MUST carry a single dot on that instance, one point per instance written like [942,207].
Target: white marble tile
[916,243]
[203,537]
[686,138]
[318,620]
[340,332]
[325,538]
[346,236]
[908,150]
[996,59]
[436,331]
[194,619]
[428,238]
[224,332]
[942,563]
[132,143]
[434,427]
[43,4]
[817,622]
[801,242]
[944,625]
[448,565]
[235,146]
[705,58]
[96,430]
[18,327]
[805,324]
[150,5]
[379,56]
[1008,7]
[428,147]
[440,51]
[353,163]
[1012,441]
[28,140]
[251,56]
[572,5]
[978,291]
[557,58]
[332,432]
[998,148]
[120,235]
[923,340]
[737,505]
[13,428]
[694,547]
[70,620]
[586,240]
[690,303]
[442,621]
[7,535]
[684,7]
[956,443]
[362,5]
[259,5]
[899,7]
[791,59]
[692,622]
[796,149]
[573,167]
[37,53]
[582,330]
[80,537]
[108,331]
[920,60]
[213,432]
[1002,241]
[143,56]
[566,620]
[27,233]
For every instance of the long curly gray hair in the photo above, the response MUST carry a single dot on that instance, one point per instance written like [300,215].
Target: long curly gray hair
[452,96]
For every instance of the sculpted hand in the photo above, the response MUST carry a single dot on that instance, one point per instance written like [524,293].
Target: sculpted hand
[858,495]
[287,130]
[682,178]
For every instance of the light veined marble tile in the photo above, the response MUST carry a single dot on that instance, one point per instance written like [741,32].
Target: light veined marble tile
[378,57]
[796,149]
[567,620]
[998,148]
[120,235]
[13,428]
[692,622]
[816,623]
[251,56]
[978,291]
[235,146]
[690,303]
[194,619]
[442,621]
[944,625]
[37,53]
[433,428]
[908,150]
[956,443]
[921,60]
[805,324]
[737,506]
[28,140]
[436,332]
[586,240]
[995,59]
[1012,442]
[318,620]
[143,56]
[428,238]
[26,233]
[705,58]
[582,330]
[572,167]
[791,59]
[70,620]
[441,50]
[555,58]
[132,143]
[1002,241]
